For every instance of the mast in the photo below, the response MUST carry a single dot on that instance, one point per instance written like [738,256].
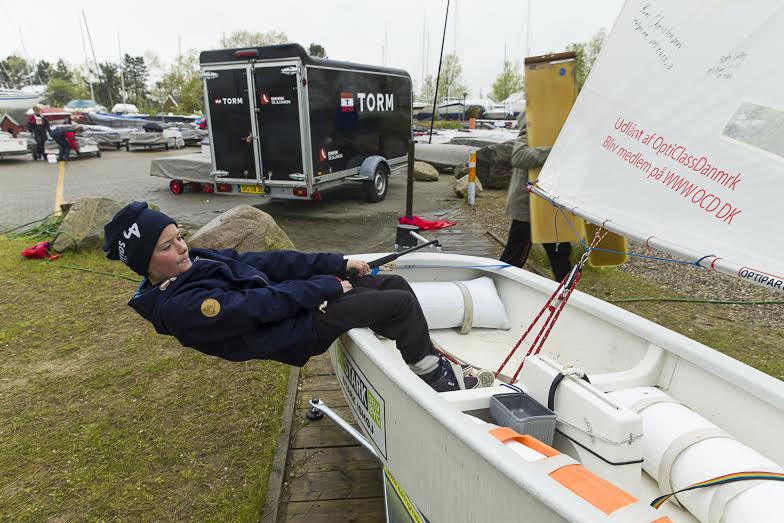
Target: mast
[122,72]
[97,70]
[86,61]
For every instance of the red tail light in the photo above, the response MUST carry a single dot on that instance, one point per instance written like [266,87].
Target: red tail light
[246,53]
[301,191]
[223,187]
[316,196]
[206,187]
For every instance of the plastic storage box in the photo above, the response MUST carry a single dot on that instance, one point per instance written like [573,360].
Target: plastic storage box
[524,414]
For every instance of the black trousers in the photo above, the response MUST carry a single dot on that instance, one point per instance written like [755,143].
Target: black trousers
[65,147]
[386,304]
[518,245]
[40,143]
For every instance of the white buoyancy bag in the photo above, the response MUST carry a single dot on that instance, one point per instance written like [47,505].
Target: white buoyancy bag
[682,448]
[465,304]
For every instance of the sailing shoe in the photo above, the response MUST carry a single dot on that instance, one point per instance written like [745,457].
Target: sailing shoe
[449,376]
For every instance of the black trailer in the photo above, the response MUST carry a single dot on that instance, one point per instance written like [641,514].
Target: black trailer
[284,124]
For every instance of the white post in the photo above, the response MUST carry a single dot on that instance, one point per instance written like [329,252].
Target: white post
[471,193]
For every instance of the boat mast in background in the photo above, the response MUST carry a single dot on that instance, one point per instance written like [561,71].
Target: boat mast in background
[86,61]
[97,69]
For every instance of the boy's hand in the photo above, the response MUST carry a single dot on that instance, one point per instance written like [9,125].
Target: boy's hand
[346,286]
[357,268]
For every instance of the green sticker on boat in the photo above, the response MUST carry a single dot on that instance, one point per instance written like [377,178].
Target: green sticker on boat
[365,401]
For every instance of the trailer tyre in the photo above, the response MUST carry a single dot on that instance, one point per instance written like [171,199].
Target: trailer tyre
[376,189]
[176,186]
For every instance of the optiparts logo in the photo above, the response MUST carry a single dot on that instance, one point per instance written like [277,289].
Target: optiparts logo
[346,102]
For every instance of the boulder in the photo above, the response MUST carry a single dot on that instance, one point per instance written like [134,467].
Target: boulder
[242,228]
[442,155]
[493,165]
[424,172]
[82,227]
[460,171]
[461,187]
[475,142]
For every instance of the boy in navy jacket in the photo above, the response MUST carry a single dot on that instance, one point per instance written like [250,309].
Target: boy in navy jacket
[281,305]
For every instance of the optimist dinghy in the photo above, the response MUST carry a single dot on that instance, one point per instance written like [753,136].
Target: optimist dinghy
[676,141]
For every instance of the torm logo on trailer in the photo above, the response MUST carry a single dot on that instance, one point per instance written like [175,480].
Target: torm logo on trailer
[229,101]
[367,102]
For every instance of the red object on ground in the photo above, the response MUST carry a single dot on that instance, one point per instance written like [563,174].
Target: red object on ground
[37,251]
[426,225]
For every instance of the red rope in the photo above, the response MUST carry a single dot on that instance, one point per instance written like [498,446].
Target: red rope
[531,326]
[547,326]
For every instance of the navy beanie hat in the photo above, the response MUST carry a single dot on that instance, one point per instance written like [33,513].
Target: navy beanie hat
[132,235]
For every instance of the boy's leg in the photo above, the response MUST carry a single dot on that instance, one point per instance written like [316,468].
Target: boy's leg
[393,313]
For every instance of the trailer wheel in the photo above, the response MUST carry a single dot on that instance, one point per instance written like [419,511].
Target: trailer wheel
[176,186]
[376,189]
[99,153]
[128,146]
[118,146]
[166,147]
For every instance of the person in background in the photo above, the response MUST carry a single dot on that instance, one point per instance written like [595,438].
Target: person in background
[65,136]
[286,306]
[38,127]
[518,244]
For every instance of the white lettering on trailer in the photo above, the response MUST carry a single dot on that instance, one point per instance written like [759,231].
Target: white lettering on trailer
[230,101]
[376,101]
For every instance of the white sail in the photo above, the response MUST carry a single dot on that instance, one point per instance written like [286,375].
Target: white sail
[677,137]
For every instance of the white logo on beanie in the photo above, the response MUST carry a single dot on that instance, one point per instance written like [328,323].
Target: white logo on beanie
[132,230]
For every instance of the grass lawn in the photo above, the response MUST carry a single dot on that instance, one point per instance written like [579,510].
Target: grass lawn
[103,419]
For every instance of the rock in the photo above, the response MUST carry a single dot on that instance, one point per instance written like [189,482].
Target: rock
[461,187]
[442,155]
[474,142]
[82,227]
[460,171]
[493,165]
[243,228]
[424,172]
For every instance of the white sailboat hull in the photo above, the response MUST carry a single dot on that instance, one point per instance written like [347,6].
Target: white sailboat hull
[454,471]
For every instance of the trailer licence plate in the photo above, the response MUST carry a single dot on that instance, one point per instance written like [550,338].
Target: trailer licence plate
[252,189]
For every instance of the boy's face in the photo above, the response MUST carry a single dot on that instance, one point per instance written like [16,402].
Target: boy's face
[170,257]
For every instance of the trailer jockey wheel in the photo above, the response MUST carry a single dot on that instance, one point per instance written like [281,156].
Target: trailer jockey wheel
[176,186]
[376,189]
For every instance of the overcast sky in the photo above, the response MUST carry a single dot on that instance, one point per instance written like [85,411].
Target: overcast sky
[364,31]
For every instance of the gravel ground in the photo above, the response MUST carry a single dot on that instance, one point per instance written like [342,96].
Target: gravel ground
[683,281]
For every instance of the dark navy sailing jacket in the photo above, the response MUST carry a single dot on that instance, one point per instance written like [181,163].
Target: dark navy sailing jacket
[265,303]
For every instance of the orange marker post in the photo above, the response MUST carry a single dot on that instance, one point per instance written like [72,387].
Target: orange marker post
[471,193]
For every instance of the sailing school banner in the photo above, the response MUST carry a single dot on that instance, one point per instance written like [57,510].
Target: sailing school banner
[678,132]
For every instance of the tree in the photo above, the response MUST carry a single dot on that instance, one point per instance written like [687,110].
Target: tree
[135,71]
[428,89]
[450,81]
[15,71]
[181,80]
[317,50]
[62,71]
[43,71]
[509,81]
[587,52]
[107,90]
[59,92]
[248,39]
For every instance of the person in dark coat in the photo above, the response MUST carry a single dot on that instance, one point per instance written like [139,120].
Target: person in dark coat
[518,244]
[38,127]
[286,306]
[65,136]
